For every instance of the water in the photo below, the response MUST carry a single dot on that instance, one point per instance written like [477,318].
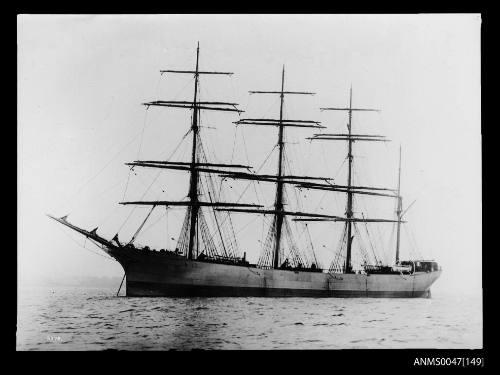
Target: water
[69,318]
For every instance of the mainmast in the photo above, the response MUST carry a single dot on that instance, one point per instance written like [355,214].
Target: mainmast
[280,179]
[399,209]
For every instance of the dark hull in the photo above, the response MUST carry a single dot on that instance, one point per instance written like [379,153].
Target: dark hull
[142,289]
[155,274]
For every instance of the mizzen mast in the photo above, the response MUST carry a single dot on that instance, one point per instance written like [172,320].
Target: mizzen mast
[350,140]
[349,189]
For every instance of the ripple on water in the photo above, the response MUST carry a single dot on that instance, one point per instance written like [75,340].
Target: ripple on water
[96,320]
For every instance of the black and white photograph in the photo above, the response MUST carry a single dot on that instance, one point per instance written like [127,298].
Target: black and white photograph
[249,182]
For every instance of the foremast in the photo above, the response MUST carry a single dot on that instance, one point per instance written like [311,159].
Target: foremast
[194,167]
[193,182]
[349,188]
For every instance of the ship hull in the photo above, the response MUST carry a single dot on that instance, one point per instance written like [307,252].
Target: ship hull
[156,274]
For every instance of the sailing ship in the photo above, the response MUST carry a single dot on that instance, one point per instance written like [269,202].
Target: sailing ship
[208,263]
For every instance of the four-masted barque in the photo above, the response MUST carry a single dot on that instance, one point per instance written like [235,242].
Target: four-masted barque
[206,263]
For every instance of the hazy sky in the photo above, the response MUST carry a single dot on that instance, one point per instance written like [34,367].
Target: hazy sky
[82,79]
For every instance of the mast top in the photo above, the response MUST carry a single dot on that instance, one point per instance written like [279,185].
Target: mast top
[350,109]
[282,91]
[197,71]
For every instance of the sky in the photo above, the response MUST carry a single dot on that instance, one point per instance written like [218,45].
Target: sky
[82,79]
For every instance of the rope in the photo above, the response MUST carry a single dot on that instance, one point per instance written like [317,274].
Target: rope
[120,288]
[142,132]
[72,198]
[234,143]
[154,180]
[140,226]
[126,185]
[370,240]
[168,158]
[227,235]
[83,247]
[167,245]
[246,188]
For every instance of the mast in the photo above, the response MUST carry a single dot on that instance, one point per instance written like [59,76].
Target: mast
[399,209]
[193,182]
[278,205]
[194,167]
[280,179]
[349,191]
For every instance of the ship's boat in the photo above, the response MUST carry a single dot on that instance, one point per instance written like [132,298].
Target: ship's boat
[208,262]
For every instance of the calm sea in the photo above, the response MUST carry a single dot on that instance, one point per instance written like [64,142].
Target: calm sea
[64,318]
